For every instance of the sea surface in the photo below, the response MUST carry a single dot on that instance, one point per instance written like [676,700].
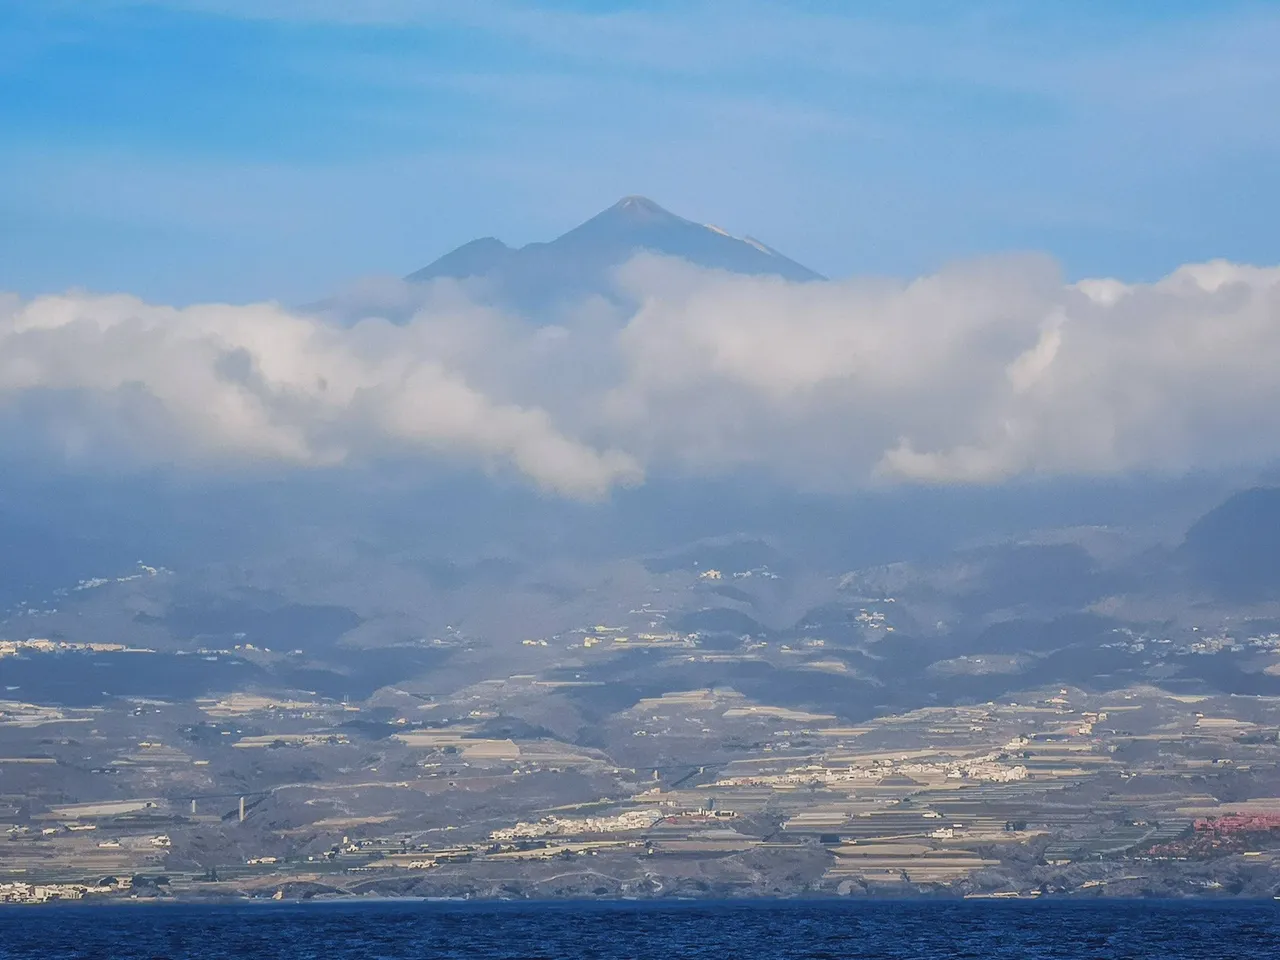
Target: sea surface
[771,930]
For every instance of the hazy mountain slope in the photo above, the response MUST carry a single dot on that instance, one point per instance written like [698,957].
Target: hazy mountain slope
[1235,548]
[580,260]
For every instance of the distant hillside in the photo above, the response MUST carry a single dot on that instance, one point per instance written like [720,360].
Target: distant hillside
[536,278]
[1235,548]
[581,260]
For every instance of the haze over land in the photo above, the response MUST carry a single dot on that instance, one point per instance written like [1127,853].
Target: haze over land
[641,540]
[601,548]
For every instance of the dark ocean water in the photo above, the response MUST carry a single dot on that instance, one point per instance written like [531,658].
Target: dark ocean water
[1097,930]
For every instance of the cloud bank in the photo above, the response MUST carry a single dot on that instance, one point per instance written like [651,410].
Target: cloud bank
[979,373]
[215,383]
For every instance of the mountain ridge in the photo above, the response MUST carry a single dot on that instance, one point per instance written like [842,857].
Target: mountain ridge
[606,240]
[538,279]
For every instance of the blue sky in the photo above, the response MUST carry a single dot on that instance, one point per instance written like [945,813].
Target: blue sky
[188,150]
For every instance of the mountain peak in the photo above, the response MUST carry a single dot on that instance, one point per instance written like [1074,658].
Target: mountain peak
[638,209]
[583,258]
[634,203]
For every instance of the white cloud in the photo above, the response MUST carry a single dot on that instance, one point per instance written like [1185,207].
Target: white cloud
[213,383]
[979,373]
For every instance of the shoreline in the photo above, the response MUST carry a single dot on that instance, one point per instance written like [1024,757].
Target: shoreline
[609,903]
